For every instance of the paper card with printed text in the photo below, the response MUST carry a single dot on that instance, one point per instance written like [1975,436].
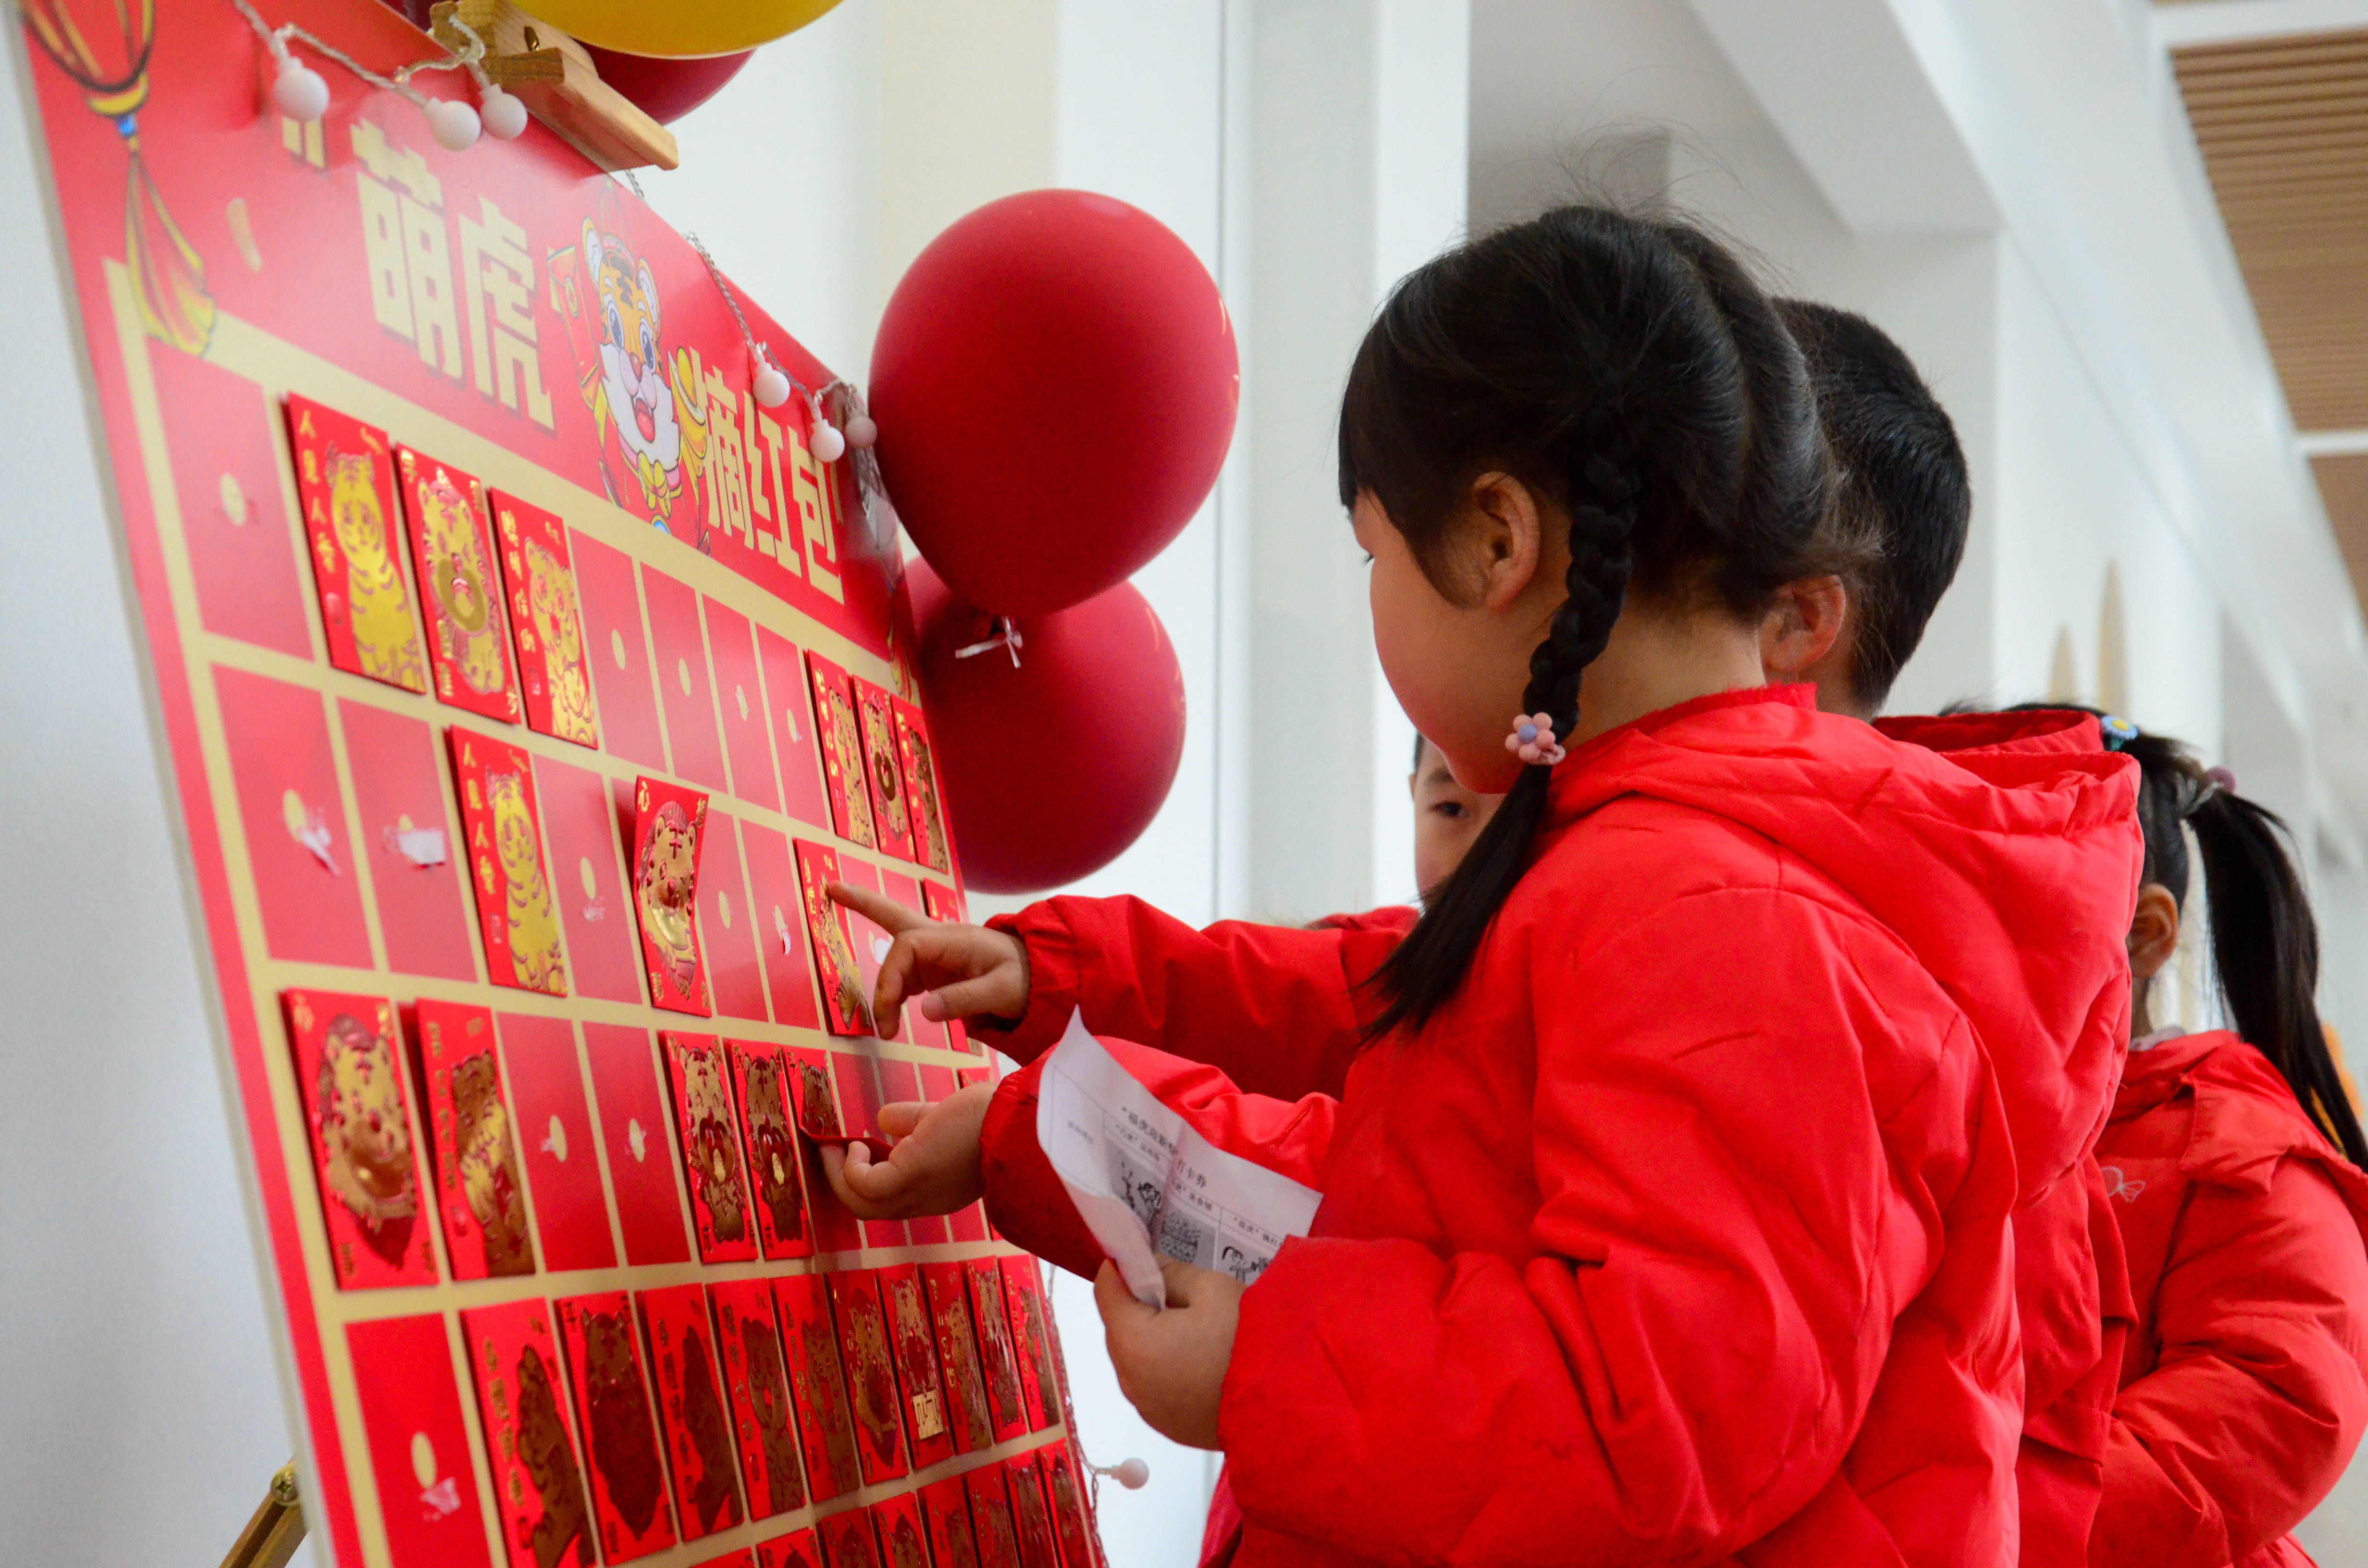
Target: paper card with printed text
[349,1061]
[460,587]
[844,995]
[669,832]
[826,1420]
[514,1359]
[546,620]
[916,758]
[353,524]
[760,1078]
[502,827]
[691,1409]
[868,942]
[757,1381]
[700,1077]
[419,1446]
[885,774]
[841,734]
[614,1412]
[480,1194]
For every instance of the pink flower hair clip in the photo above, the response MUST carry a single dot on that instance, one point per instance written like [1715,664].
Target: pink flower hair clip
[1532,740]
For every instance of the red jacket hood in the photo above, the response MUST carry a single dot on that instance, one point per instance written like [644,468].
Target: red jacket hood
[2002,849]
[2246,1117]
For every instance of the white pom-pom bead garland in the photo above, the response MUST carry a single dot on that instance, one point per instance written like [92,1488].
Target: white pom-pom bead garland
[771,387]
[454,124]
[862,432]
[828,443]
[504,113]
[298,91]
[1130,1473]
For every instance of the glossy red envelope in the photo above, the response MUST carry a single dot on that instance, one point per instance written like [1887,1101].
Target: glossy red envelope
[841,734]
[945,1508]
[418,1446]
[990,1517]
[904,1540]
[916,758]
[809,1348]
[1031,1522]
[538,1478]
[743,1558]
[728,929]
[669,831]
[452,547]
[700,1079]
[790,715]
[480,1194]
[855,1074]
[1068,1505]
[679,651]
[285,770]
[246,561]
[941,902]
[349,1061]
[798,1549]
[740,699]
[928,1421]
[546,622]
[844,994]
[847,1540]
[967,1419]
[407,840]
[779,918]
[345,480]
[555,1137]
[503,830]
[691,1409]
[620,1424]
[814,1096]
[926,1030]
[998,1358]
[617,648]
[1031,1340]
[885,773]
[596,907]
[634,1111]
[757,1382]
[871,1372]
[768,1130]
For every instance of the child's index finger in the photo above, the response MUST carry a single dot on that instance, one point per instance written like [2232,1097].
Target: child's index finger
[878,908]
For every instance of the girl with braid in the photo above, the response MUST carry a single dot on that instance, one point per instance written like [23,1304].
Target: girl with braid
[1666,1189]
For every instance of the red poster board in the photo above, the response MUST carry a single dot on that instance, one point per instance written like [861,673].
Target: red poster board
[522,318]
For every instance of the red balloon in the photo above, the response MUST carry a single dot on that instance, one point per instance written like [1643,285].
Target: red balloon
[1051,768]
[1055,382]
[667,90]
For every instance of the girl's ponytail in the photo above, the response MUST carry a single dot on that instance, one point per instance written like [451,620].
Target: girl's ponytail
[2265,953]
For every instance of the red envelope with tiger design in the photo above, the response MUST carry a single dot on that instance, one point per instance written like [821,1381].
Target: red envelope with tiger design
[691,1409]
[480,1195]
[798,1549]
[904,1540]
[871,1367]
[990,1517]
[701,1077]
[460,588]
[916,758]
[614,1412]
[945,1508]
[546,620]
[912,1340]
[757,1382]
[348,1057]
[669,830]
[849,1541]
[345,480]
[843,993]
[761,1076]
[826,1423]
[1031,1340]
[877,730]
[1067,1501]
[998,1358]
[968,1422]
[842,734]
[514,1359]
[814,1094]
[1031,1520]
[516,914]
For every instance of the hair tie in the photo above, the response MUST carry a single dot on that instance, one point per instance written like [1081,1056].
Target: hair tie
[2119,732]
[1532,740]
[2220,779]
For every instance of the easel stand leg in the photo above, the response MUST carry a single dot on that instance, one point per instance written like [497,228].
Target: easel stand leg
[272,1536]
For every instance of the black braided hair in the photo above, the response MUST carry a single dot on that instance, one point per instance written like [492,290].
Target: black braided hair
[1630,371]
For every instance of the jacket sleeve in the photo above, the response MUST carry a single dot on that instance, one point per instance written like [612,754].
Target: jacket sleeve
[1275,1008]
[2259,1398]
[1743,1181]
[1024,1196]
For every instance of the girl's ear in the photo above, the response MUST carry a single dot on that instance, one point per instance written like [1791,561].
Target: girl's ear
[2154,931]
[1505,537]
[1802,627]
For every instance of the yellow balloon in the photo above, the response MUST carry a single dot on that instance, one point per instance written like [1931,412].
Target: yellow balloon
[681,30]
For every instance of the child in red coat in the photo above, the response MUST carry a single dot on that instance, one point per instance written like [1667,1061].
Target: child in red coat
[2232,1157]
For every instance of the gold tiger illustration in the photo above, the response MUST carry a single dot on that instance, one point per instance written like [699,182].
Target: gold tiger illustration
[660,418]
[713,1146]
[880,751]
[488,1162]
[872,1381]
[665,884]
[468,633]
[378,608]
[364,1136]
[958,1351]
[849,741]
[550,600]
[533,925]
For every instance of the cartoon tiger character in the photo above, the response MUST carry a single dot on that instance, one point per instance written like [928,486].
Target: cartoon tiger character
[959,1353]
[1002,1364]
[847,741]
[880,751]
[872,1379]
[1027,1514]
[660,419]
[714,1501]
[665,883]
[769,1400]
[468,634]
[488,1165]
[773,1150]
[905,1545]
[378,608]
[364,1135]
[1065,1518]
[533,924]
[925,1399]
[550,603]
[819,1393]
[713,1148]
[618,1426]
[561,1538]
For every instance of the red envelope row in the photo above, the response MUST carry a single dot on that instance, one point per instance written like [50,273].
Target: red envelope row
[880,767]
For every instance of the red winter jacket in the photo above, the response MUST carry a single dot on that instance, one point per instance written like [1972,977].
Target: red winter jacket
[1277,1011]
[2244,1393]
[1678,1235]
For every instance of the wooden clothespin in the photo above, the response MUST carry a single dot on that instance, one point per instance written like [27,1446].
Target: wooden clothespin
[272,1536]
[556,80]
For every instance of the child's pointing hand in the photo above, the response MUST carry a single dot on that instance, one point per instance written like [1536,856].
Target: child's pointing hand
[968,971]
[1171,1365]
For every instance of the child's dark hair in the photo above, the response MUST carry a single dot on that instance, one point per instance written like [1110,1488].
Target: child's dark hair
[1631,371]
[1902,498]
[2264,940]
